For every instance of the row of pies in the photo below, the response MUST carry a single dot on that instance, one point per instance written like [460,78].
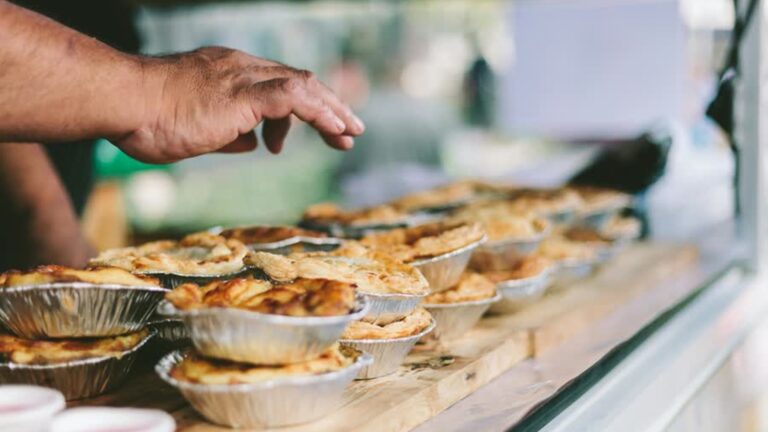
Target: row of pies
[272,306]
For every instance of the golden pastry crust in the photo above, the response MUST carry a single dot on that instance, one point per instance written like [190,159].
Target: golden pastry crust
[53,273]
[545,201]
[557,248]
[371,272]
[440,196]
[303,297]
[471,287]
[530,266]
[268,234]
[328,213]
[412,324]
[200,254]
[599,199]
[622,228]
[197,369]
[424,241]
[45,352]
[502,220]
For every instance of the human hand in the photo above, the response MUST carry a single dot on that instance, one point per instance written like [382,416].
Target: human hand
[211,100]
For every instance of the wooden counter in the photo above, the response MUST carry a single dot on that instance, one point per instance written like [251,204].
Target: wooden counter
[435,377]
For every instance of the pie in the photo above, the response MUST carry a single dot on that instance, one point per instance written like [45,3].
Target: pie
[201,254]
[622,228]
[410,325]
[424,241]
[586,235]
[328,213]
[503,220]
[527,267]
[557,248]
[369,271]
[43,352]
[268,234]
[471,287]
[597,199]
[53,273]
[201,370]
[545,201]
[302,297]
[454,193]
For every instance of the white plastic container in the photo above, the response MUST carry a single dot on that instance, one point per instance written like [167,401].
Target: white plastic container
[105,419]
[26,408]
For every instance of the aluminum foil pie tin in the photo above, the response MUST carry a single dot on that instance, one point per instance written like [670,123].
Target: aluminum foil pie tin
[504,254]
[388,354]
[444,271]
[562,217]
[76,309]
[517,293]
[258,338]
[351,231]
[76,379]
[598,219]
[169,331]
[172,280]
[385,308]
[571,271]
[279,402]
[455,319]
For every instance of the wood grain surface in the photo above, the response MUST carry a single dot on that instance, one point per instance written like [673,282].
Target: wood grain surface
[436,376]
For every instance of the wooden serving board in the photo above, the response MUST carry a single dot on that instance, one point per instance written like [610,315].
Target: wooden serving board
[435,377]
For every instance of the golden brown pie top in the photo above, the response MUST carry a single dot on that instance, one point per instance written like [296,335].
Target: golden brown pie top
[502,220]
[527,267]
[42,352]
[557,248]
[201,254]
[53,273]
[622,227]
[328,213]
[197,369]
[545,201]
[440,196]
[425,241]
[585,235]
[598,199]
[371,272]
[268,234]
[302,297]
[471,287]
[412,324]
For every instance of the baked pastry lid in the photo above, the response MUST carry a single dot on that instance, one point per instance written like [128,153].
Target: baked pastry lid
[496,297]
[451,254]
[290,241]
[416,336]
[167,363]
[79,362]
[167,309]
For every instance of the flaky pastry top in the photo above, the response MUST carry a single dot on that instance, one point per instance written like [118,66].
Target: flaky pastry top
[200,254]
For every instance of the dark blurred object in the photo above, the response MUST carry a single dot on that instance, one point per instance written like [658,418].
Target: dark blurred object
[480,93]
[631,166]
[111,22]
[720,109]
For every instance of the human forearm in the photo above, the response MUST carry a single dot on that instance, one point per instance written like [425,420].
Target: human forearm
[57,84]
[38,224]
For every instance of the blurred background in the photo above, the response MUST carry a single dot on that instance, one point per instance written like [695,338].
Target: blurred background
[524,91]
